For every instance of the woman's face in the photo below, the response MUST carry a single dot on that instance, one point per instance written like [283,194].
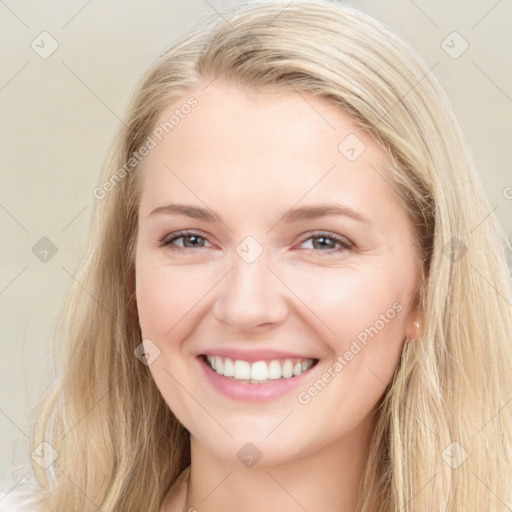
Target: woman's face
[296,249]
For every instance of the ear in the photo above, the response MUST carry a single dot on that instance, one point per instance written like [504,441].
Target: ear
[414,326]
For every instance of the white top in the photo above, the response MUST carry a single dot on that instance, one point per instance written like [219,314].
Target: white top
[23,497]
[16,501]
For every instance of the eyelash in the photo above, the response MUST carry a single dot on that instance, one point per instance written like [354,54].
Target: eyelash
[343,242]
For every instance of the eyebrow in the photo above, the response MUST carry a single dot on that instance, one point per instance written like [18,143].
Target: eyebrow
[302,213]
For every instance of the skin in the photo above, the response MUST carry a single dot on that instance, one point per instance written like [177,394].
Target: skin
[250,157]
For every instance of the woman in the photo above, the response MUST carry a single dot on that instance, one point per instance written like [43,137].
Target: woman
[294,296]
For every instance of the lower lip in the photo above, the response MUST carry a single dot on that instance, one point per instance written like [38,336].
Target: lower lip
[258,392]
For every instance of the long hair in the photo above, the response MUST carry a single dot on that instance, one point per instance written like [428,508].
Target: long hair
[443,437]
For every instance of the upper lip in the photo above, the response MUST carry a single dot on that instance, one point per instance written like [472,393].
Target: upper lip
[252,355]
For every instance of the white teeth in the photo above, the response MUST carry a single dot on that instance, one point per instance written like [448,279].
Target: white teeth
[306,364]
[259,371]
[218,365]
[229,369]
[287,369]
[242,370]
[274,370]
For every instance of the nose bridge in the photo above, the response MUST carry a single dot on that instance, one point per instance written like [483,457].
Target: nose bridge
[251,294]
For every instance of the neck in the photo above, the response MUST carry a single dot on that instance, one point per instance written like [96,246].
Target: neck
[326,479]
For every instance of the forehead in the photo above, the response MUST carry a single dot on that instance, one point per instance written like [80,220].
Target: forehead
[256,147]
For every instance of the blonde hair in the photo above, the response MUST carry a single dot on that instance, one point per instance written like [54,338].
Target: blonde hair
[119,445]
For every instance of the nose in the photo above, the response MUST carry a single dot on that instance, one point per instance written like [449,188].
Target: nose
[251,297]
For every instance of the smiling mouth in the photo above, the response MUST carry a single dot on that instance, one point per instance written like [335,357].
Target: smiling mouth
[258,372]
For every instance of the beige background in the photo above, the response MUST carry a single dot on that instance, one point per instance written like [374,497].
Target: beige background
[60,113]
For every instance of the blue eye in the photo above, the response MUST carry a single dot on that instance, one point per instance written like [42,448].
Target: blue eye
[332,240]
[196,241]
[184,235]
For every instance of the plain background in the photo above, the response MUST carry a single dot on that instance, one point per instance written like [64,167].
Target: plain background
[59,115]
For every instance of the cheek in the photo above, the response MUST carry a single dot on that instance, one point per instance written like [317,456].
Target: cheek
[363,317]
[349,301]
[153,302]
[165,301]
[164,297]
